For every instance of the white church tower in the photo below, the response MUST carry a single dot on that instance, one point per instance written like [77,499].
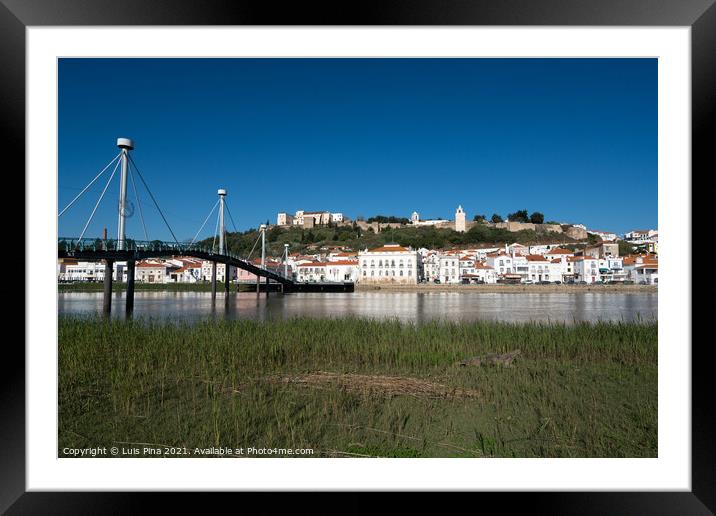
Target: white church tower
[460,220]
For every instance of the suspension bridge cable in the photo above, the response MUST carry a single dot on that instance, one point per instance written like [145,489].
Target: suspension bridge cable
[90,184]
[204,224]
[139,205]
[254,247]
[232,223]
[231,218]
[216,231]
[98,201]
[153,199]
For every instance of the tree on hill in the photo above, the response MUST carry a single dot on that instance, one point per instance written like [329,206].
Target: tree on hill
[518,216]
[384,219]
[496,218]
[479,218]
[537,218]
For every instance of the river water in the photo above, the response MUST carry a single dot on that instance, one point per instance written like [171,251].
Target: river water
[407,306]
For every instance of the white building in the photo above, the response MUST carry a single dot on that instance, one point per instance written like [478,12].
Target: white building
[586,268]
[342,270]
[90,271]
[501,262]
[312,272]
[541,268]
[153,271]
[431,266]
[474,271]
[308,218]
[642,269]
[390,263]
[449,269]
[641,236]
[646,274]
[415,220]
[206,273]
[518,249]
[284,219]
[604,235]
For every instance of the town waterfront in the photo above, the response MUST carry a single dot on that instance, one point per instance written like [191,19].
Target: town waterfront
[415,307]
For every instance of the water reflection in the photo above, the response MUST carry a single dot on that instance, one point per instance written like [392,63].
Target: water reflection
[406,306]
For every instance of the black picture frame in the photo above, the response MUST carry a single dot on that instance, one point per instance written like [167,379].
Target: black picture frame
[700,15]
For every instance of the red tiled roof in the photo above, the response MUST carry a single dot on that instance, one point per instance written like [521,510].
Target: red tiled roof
[559,250]
[389,248]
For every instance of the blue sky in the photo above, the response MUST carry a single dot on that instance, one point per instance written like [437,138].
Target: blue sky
[573,138]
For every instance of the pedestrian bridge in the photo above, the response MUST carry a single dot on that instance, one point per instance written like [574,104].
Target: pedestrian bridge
[130,250]
[93,249]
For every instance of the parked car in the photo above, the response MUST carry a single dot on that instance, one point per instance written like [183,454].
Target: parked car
[557,282]
[436,281]
[544,282]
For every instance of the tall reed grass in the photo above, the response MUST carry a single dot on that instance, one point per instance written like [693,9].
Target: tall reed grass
[587,389]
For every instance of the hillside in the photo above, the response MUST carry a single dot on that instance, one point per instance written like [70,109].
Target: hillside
[307,240]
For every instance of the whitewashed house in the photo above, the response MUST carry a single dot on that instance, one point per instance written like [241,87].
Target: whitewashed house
[342,270]
[312,272]
[501,262]
[586,268]
[206,273]
[642,269]
[449,269]
[91,271]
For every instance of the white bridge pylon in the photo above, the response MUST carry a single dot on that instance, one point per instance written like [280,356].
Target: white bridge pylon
[126,145]
[127,172]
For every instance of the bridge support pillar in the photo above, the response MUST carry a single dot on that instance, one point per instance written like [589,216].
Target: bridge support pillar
[213,281]
[129,307]
[227,281]
[258,285]
[267,286]
[107,305]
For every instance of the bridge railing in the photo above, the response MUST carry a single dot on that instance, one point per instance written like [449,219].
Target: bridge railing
[69,244]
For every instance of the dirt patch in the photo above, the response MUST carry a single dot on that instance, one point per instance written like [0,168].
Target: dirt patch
[387,385]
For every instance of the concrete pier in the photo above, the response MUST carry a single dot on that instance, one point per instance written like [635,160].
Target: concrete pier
[213,281]
[107,305]
[129,306]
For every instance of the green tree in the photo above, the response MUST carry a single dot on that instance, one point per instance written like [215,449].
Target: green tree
[496,218]
[625,248]
[537,218]
[518,216]
[479,218]
[274,233]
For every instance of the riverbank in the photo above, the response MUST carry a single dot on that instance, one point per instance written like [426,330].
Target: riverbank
[500,288]
[357,388]
[422,287]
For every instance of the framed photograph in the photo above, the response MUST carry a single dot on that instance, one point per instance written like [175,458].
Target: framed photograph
[404,249]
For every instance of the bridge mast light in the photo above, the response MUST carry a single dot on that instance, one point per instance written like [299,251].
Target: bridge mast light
[126,145]
[222,227]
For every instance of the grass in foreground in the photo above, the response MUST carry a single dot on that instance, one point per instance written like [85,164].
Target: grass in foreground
[351,387]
